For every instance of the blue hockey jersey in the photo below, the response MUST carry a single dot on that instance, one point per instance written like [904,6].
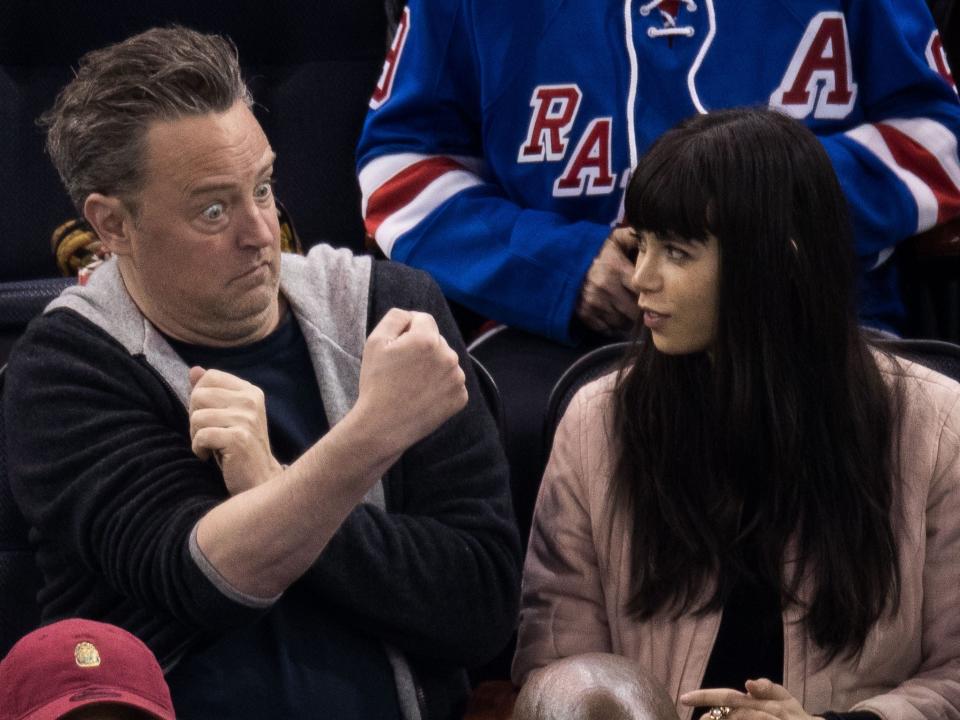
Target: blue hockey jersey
[501,134]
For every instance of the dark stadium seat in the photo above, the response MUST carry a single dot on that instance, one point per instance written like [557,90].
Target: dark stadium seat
[19,577]
[491,396]
[594,364]
[929,266]
[944,357]
[20,302]
[524,367]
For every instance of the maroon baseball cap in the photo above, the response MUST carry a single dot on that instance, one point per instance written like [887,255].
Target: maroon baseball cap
[75,663]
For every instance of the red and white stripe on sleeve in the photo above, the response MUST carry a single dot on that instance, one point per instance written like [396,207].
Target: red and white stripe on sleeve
[400,190]
[923,154]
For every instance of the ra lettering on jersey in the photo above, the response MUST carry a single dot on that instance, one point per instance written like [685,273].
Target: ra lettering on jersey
[381,93]
[588,170]
[819,79]
[937,59]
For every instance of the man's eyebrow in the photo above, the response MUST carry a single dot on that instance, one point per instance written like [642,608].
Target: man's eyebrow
[267,167]
[203,188]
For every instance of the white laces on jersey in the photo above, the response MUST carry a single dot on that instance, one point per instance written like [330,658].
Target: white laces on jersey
[670,27]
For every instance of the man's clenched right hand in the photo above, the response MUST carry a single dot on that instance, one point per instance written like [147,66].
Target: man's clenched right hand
[410,379]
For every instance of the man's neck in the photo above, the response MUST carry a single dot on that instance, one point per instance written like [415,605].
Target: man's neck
[222,337]
[207,334]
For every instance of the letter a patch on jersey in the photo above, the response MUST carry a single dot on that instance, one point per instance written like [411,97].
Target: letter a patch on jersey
[554,110]
[589,168]
[819,78]
[381,93]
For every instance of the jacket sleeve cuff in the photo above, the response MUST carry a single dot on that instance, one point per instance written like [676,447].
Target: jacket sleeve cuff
[220,582]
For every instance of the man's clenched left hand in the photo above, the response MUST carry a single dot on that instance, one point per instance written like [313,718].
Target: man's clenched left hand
[228,420]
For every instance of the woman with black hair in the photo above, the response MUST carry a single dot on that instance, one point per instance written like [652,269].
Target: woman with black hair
[759,508]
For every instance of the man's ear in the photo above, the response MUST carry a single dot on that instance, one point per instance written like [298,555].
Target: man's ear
[111,220]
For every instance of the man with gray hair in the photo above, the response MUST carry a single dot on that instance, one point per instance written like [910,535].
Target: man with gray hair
[275,470]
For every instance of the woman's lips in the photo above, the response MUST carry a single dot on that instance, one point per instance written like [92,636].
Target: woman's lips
[654,320]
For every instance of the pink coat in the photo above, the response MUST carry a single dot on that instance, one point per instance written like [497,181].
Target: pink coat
[574,580]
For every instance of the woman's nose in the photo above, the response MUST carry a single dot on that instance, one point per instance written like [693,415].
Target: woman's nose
[646,273]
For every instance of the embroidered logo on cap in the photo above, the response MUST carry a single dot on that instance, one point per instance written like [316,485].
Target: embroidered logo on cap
[86,655]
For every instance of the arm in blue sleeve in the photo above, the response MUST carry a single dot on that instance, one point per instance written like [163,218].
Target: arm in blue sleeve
[899,166]
[428,201]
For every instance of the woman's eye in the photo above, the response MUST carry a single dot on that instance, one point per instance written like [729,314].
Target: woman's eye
[675,253]
[213,212]
[263,190]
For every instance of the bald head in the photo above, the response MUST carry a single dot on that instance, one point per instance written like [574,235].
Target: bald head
[595,686]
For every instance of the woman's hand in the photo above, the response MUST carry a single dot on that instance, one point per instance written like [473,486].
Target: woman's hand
[764,700]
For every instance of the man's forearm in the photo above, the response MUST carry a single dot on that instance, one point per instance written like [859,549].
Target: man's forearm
[262,540]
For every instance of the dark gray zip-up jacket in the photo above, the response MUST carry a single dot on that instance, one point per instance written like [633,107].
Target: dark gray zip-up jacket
[100,464]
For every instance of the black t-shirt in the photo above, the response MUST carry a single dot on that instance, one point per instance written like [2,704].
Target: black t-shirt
[749,643]
[300,659]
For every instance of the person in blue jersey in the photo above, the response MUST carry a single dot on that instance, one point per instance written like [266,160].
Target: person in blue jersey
[761,507]
[501,135]
[274,470]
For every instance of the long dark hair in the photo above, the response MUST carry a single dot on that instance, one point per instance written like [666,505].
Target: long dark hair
[773,459]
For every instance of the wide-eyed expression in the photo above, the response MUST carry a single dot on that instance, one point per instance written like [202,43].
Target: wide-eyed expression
[204,247]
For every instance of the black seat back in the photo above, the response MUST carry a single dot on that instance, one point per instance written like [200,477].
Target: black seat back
[524,367]
[19,577]
[944,357]
[594,364]
[491,396]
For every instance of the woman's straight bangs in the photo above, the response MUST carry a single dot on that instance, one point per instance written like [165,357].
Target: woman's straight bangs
[668,197]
